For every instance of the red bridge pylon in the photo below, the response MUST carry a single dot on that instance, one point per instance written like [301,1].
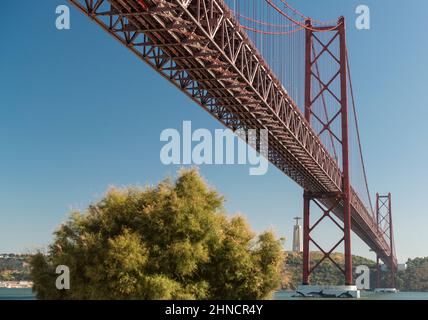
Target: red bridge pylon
[384,222]
[316,89]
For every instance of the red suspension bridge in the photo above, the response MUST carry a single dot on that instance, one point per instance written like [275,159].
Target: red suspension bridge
[253,65]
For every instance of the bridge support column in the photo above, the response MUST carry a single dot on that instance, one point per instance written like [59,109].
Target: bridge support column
[327,203]
[306,237]
[346,187]
[384,222]
[338,202]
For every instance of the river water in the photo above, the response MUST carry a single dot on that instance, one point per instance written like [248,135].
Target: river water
[16,294]
[288,295]
[26,294]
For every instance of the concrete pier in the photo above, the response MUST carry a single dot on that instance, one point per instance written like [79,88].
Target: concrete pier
[315,291]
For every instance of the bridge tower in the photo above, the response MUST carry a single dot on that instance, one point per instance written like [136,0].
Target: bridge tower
[316,89]
[384,222]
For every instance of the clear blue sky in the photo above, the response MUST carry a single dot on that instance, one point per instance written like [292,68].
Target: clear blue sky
[79,113]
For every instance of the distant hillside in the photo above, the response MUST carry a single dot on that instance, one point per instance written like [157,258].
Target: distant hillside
[14,267]
[325,274]
[415,278]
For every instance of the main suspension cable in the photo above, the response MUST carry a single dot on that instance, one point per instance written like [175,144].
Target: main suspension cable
[306,17]
[303,25]
[358,132]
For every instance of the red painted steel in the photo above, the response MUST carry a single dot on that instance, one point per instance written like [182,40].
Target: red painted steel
[384,221]
[342,200]
[200,47]
[346,190]
[143,4]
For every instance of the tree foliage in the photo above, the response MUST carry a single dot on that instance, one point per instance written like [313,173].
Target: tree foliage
[170,241]
[415,277]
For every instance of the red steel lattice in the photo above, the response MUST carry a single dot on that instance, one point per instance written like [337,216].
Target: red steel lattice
[384,221]
[341,200]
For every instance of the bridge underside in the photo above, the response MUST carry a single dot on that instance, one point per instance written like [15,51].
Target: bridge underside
[199,47]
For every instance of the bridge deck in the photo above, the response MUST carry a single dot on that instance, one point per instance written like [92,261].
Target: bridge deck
[199,47]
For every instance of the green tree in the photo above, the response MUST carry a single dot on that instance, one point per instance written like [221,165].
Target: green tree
[415,277]
[171,241]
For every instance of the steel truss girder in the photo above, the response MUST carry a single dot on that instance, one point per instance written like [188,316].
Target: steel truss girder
[252,74]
